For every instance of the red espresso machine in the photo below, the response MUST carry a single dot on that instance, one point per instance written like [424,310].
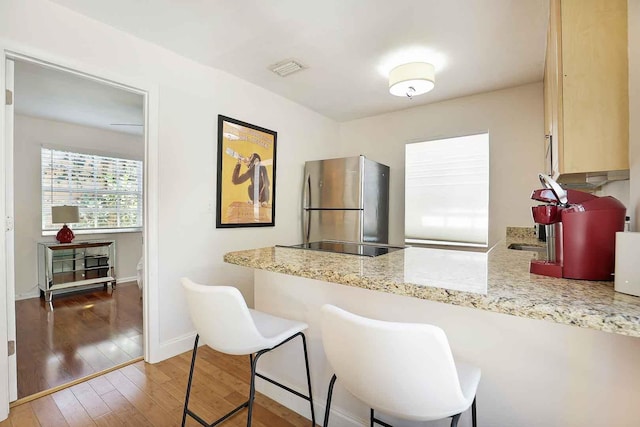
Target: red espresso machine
[581,232]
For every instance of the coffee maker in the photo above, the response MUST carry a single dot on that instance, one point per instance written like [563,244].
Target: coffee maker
[581,232]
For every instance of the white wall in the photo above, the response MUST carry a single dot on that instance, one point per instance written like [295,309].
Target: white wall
[30,134]
[619,190]
[190,98]
[514,119]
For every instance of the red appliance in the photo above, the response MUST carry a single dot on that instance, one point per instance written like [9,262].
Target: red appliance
[581,232]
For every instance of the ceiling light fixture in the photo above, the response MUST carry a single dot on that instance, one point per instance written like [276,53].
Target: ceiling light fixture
[414,78]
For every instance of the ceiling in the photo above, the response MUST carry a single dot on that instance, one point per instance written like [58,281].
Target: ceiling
[62,96]
[347,45]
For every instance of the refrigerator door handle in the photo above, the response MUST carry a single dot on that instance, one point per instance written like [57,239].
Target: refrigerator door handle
[306,201]
[306,192]
[306,225]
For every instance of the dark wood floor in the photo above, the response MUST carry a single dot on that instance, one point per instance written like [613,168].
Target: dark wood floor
[85,333]
[152,395]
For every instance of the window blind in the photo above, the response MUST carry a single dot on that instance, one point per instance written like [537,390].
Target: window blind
[447,191]
[107,190]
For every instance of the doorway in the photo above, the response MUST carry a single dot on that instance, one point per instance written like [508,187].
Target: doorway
[78,141]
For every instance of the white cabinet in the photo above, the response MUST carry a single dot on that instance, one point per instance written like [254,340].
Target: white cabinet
[69,265]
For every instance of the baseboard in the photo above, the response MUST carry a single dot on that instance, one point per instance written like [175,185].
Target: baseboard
[296,404]
[173,347]
[36,292]
[58,292]
[31,294]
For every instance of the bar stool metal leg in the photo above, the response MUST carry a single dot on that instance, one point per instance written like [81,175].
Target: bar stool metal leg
[473,413]
[306,362]
[186,410]
[329,394]
[308,398]
[193,363]
[252,387]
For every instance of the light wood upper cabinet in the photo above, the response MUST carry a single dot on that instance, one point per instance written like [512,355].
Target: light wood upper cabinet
[586,96]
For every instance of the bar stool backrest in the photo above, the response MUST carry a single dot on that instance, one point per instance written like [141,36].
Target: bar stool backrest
[222,319]
[401,369]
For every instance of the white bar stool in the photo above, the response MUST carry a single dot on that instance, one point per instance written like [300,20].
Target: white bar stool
[401,369]
[225,323]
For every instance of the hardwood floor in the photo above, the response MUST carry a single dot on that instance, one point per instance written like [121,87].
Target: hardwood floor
[152,395]
[85,333]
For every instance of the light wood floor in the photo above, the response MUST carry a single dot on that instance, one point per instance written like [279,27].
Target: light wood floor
[85,333]
[152,395]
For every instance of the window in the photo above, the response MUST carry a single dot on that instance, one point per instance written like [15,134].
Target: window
[447,191]
[107,190]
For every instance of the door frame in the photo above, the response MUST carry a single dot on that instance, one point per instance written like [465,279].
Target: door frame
[9,116]
[150,91]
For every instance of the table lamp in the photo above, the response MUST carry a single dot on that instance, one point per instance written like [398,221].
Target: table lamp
[64,215]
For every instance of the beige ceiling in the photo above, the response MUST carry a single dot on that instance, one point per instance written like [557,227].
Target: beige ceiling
[479,45]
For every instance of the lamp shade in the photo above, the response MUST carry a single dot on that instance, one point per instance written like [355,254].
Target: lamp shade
[414,78]
[64,214]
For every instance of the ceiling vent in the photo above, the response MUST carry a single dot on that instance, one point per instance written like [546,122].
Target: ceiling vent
[284,68]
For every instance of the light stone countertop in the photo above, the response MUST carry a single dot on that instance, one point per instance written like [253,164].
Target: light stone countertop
[497,281]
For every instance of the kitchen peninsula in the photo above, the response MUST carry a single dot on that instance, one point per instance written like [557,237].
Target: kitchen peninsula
[538,367]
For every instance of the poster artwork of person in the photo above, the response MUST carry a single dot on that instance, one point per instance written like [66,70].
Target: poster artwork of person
[246,169]
[257,173]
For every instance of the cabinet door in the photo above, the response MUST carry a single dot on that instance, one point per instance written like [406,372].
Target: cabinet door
[553,93]
[594,112]
[547,108]
[554,71]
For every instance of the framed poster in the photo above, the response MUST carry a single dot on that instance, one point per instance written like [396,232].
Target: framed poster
[246,175]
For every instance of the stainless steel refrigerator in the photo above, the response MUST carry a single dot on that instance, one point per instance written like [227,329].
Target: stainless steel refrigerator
[345,199]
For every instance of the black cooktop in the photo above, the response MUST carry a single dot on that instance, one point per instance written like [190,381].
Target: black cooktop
[351,248]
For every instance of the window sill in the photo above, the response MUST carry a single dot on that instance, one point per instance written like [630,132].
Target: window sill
[442,244]
[101,231]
